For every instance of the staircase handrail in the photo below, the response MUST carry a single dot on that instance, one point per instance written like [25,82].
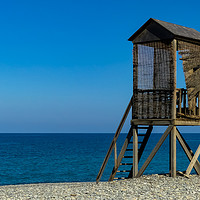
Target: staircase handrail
[114,141]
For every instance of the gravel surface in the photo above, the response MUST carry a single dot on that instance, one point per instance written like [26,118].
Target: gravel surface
[145,187]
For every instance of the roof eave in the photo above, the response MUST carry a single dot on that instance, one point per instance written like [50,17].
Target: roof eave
[140,29]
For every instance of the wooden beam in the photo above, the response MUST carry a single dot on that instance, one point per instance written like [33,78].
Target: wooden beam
[162,122]
[180,100]
[173,152]
[115,157]
[167,122]
[187,151]
[182,174]
[153,153]
[174,43]
[184,102]
[135,152]
[193,161]
[187,122]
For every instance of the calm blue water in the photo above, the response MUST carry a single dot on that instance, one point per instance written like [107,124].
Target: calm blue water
[36,158]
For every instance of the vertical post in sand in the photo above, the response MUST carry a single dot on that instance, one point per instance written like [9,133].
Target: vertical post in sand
[173,114]
[135,152]
[173,152]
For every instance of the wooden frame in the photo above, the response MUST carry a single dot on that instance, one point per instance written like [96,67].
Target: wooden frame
[193,161]
[156,101]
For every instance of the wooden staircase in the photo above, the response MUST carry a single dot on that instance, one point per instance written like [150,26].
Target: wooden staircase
[125,158]
[124,169]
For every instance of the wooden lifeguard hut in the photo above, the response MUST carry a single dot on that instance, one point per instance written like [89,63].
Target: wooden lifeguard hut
[156,100]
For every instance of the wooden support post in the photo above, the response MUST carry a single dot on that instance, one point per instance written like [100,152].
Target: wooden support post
[195,105]
[153,153]
[135,152]
[115,155]
[173,152]
[180,100]
[173,116]
[188,151]
[174,82]
[184,102]
[193,161]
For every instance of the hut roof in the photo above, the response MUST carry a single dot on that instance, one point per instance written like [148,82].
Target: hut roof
[155,29]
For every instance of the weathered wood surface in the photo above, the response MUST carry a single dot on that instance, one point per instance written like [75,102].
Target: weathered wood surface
[114,141]
[180,101]
[142,147]
[193,161]
[183,174]
[121,154]
[153,153]
[188,116]
[187,151]
[191,66]
[163,122]
[135,152]
[173,112]
[115,153]
[173,152]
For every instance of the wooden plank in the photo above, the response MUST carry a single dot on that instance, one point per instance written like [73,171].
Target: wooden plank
[174,43]
[184,102]
[165,122]
[121,154]
[158,122]
[173,152]
[193,161]
[182,174]
[187,122]
[135,152]
[114,141]
[142,147]
[153,153]
[115,157]
[188,116]
[187,151]
[180,100]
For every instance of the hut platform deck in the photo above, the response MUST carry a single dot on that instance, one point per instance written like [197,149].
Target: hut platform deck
[165,122]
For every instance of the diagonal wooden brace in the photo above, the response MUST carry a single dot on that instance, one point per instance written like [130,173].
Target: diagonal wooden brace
[193,161]
[187,151]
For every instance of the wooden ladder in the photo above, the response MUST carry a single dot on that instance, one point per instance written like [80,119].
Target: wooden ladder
[113,143]
[124,165]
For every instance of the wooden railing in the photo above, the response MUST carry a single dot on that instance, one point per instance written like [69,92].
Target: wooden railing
[182,104]
[152,104]
[113,143]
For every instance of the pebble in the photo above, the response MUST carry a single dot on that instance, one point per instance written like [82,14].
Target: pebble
[157,187]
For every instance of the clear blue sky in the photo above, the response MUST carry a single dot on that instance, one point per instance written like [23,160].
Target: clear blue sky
[66,66]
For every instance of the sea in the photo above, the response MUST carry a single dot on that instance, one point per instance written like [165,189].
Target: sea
[58,157]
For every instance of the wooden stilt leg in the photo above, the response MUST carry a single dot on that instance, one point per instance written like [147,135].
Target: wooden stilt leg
[173,152]
[135,152]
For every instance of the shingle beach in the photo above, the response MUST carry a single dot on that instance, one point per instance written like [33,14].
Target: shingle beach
[145,187]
